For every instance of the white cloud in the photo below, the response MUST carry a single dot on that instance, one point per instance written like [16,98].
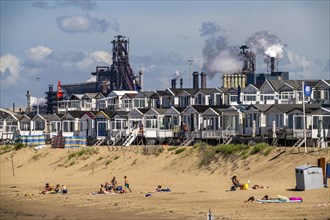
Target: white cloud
[83,4]
[85,24]
[94,58]
[38,53]
[9,68]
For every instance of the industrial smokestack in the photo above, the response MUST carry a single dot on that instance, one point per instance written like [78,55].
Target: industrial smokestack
[173,83]
[203,80]
[272,64]
[13,106]
[51,88]
[28,97]
[195,80]
[140,79]
[181,83]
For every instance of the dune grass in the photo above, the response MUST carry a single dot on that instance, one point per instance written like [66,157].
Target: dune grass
[84,151]
[179,150]
[209,154]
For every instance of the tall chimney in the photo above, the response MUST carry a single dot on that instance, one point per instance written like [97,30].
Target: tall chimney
[13,106]
[51,88]
[28,101]
[272,64]
[181,83]
[140,78]
[203,80]
[195,80]
[173,83]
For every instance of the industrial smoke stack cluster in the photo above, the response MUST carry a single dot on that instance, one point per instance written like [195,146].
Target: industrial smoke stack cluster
[196,75]
[196,82]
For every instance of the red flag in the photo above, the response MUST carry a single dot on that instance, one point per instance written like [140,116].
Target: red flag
[59,90]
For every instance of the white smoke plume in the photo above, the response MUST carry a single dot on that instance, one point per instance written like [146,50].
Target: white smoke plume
[92,79]
[34,101]
[218,56]
[262,42]
[176,74]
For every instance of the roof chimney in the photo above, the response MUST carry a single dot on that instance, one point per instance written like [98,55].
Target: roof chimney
[195,80]
[272,64]
[203,80]
[173,83]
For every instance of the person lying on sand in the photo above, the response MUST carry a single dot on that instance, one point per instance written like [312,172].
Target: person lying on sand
[259,187]
[55,190]
[64,189]
[159,189]
[47,189]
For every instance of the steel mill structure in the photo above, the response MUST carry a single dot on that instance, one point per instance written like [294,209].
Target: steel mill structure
[119,76]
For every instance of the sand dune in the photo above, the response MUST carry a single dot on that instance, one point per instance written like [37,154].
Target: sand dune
[194,189]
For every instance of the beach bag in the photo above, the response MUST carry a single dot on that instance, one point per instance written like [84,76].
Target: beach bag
[245,186]
[119,188]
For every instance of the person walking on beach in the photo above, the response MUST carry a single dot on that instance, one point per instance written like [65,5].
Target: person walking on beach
[114,183]
[127,184]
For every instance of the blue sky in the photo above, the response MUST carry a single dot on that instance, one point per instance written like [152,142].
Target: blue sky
[66,40]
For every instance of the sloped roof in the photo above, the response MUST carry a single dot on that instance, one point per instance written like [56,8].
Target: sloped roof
[179,109]
[261,107]
[276,83]
[206,91]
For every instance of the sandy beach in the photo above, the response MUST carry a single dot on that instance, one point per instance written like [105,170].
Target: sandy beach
[195,189]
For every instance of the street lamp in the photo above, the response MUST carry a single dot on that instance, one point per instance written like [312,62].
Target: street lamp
[38,95]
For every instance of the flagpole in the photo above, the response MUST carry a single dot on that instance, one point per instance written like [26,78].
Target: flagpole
[303,92]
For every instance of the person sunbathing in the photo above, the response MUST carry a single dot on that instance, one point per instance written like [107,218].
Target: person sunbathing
[259,187]
[56,189]
[64,189]
[158,189]
[47,189]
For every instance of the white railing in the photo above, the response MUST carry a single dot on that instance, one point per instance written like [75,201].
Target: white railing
[211,134]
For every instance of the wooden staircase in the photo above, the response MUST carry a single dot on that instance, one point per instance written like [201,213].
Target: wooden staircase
[99,142]
[299,142]
[189,140]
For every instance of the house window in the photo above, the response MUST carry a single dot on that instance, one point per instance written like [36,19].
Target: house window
[233,98]
[55,126]
[286,95]
[101,105]
[25,126]
[40,125]
[139,103]
[151,122]
[127,103]
[250,97]
[217,99]
[68,126]
[199,99]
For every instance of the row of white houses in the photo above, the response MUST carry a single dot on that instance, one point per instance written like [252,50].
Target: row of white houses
[219,123]
[271,92]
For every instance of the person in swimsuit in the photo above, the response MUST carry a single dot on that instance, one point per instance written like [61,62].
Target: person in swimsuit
[127,184]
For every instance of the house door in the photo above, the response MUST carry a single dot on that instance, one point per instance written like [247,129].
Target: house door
[101,129]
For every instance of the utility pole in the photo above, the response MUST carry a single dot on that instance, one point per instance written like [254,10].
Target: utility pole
[304,115]
[190,62]
[38,95]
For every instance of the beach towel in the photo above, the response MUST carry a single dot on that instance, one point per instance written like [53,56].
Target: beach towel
[278,201]
[165,190]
